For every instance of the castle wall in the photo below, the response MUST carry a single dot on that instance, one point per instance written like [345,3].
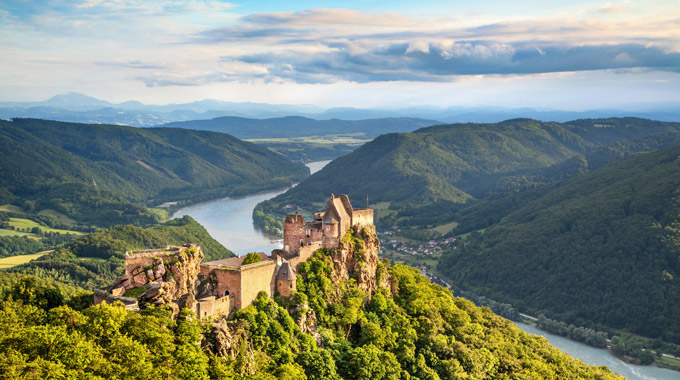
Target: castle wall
[254,279]
[345,224]
[305,253]
[293,232]
[227,279]
[362,217]
[211,307]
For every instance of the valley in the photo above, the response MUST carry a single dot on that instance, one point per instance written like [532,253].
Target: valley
[432,190]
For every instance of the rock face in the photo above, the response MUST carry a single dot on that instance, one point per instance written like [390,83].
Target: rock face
[357,257]
[164,276]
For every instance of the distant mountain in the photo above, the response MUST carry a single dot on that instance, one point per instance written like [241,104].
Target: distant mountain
[74,107]
[603,248]
[296,126]
[423,178]
[92,172]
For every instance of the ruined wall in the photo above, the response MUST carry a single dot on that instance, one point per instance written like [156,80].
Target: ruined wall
[304,254]
[345,224]
[212,307]
[227,279]
[362,217]
[345,202]
[254,279]
[330,242]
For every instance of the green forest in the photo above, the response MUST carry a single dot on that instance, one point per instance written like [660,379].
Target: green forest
[104,175]
[426,177]
[410,330]
[602,249]
[96,259]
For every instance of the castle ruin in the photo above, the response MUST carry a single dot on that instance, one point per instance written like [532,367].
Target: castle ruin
[177,277]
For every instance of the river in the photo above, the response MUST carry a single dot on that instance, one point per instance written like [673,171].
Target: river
[229,221]
[597,356]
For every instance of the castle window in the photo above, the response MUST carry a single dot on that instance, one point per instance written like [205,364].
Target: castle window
[300,229]
[291,286]
[328,228]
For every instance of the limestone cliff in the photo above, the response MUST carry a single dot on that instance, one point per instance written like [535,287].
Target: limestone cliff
[357,257]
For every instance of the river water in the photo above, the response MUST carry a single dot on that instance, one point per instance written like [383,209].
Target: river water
[597,356]
[229,221]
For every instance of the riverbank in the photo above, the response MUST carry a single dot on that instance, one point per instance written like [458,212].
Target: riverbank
[229,220]
[597,356]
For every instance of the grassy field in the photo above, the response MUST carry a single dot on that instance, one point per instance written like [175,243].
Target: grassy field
[9,262]
[161,212]
[445,228]
[12,208]
[4,232]
[465,236]
[669,362]
[27,223]
[57,215]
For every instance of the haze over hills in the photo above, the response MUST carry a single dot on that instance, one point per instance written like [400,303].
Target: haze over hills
[422,178]
[297,126]
[75,107]
[601,249]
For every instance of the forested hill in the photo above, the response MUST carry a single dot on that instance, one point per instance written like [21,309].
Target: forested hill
[95,260]
[327,331]
[602,248]
[92,172]
[439,167]
[297,126]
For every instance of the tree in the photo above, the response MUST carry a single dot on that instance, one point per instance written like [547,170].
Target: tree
[251,258]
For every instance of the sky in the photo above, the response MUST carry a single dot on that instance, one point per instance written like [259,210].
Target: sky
[570,55]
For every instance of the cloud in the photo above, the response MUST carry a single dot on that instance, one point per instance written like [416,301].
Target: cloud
[441,61]
[610,8]
[328,45]
[131,65]
[326,17]
[171,43]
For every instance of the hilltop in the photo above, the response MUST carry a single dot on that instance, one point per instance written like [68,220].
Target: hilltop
[330,329]
[101,175]
[422,178]
[601,249]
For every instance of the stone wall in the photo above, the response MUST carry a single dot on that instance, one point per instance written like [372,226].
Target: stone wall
[212,307]
[227,280]
[293,232]
[362,217]
[304,254]
[255,278]
[285,288]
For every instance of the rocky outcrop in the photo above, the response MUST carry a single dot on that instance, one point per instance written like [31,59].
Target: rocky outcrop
[165,276]
[231,340]
[357,257]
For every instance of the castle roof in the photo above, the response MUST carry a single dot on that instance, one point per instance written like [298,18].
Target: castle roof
[286,273]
